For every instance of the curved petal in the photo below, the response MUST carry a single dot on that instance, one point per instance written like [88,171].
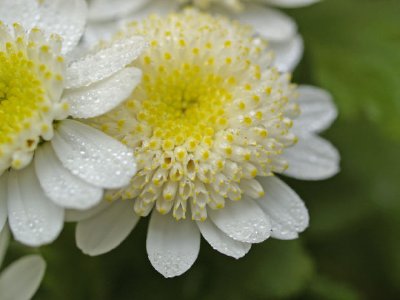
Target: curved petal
[288,53]
[25,12]
[22,278]
[34,219]
[4,240]
[221,242]
[172,246]
[106,230]
[291,3]
[60,185]
[66,18]
[93,156]
[318,110]
[74,215]
[243,221]
[312,158]
[103,10]
[104,63]
[287,212]
[269,23]
[103,96]
[159,7]
[3,200]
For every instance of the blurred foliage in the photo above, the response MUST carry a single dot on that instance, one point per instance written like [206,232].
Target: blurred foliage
[352,249]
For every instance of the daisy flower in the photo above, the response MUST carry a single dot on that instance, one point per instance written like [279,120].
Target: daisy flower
[211,124]
[278,28]
[48,161]
[22,278]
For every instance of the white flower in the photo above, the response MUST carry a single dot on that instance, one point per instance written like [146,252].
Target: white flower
[22,278]
[210,125]
[49,162]
[278,28]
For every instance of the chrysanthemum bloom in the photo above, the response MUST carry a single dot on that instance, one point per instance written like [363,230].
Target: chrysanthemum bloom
[49,162]
[211,125]
[270,23]
[22,278]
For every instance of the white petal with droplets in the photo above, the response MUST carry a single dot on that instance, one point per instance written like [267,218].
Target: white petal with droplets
[34,219]
[25,12]
[105,62]
[3,200]
[106,230]
[93,156]
[172,246]
[66,18]
[269,23]
[22,278]
[221,242]
[60,185]
[317,109]
[243,221]
[103,96]
[287,212]
[312,158]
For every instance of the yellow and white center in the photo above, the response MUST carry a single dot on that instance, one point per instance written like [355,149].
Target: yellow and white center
[30,88]
[209,116]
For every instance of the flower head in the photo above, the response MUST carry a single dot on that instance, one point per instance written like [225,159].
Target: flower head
[207,118]
[210,124]
[279,29]
[39,92]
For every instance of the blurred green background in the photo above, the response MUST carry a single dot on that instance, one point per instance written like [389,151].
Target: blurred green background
[352,247]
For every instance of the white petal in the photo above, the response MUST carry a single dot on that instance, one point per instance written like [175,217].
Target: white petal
[34,219]
[93,156]
[312,158]
[291,3]
[317,109]
[172,246]
[106,230]
[221,242]
[269,23]
[22,278]
[105,62]
[287,212]
[60,185]
[25,12]
[102,10]
[159,7]
[243,221]
[103,96]
[4,240]
[3,200]
[74,215]
[66,18]
[288,53]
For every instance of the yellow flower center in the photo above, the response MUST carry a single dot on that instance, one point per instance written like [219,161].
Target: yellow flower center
[27,85]
[209,116]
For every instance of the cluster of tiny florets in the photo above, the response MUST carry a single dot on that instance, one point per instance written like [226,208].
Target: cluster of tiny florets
[31,82]
[210,115]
